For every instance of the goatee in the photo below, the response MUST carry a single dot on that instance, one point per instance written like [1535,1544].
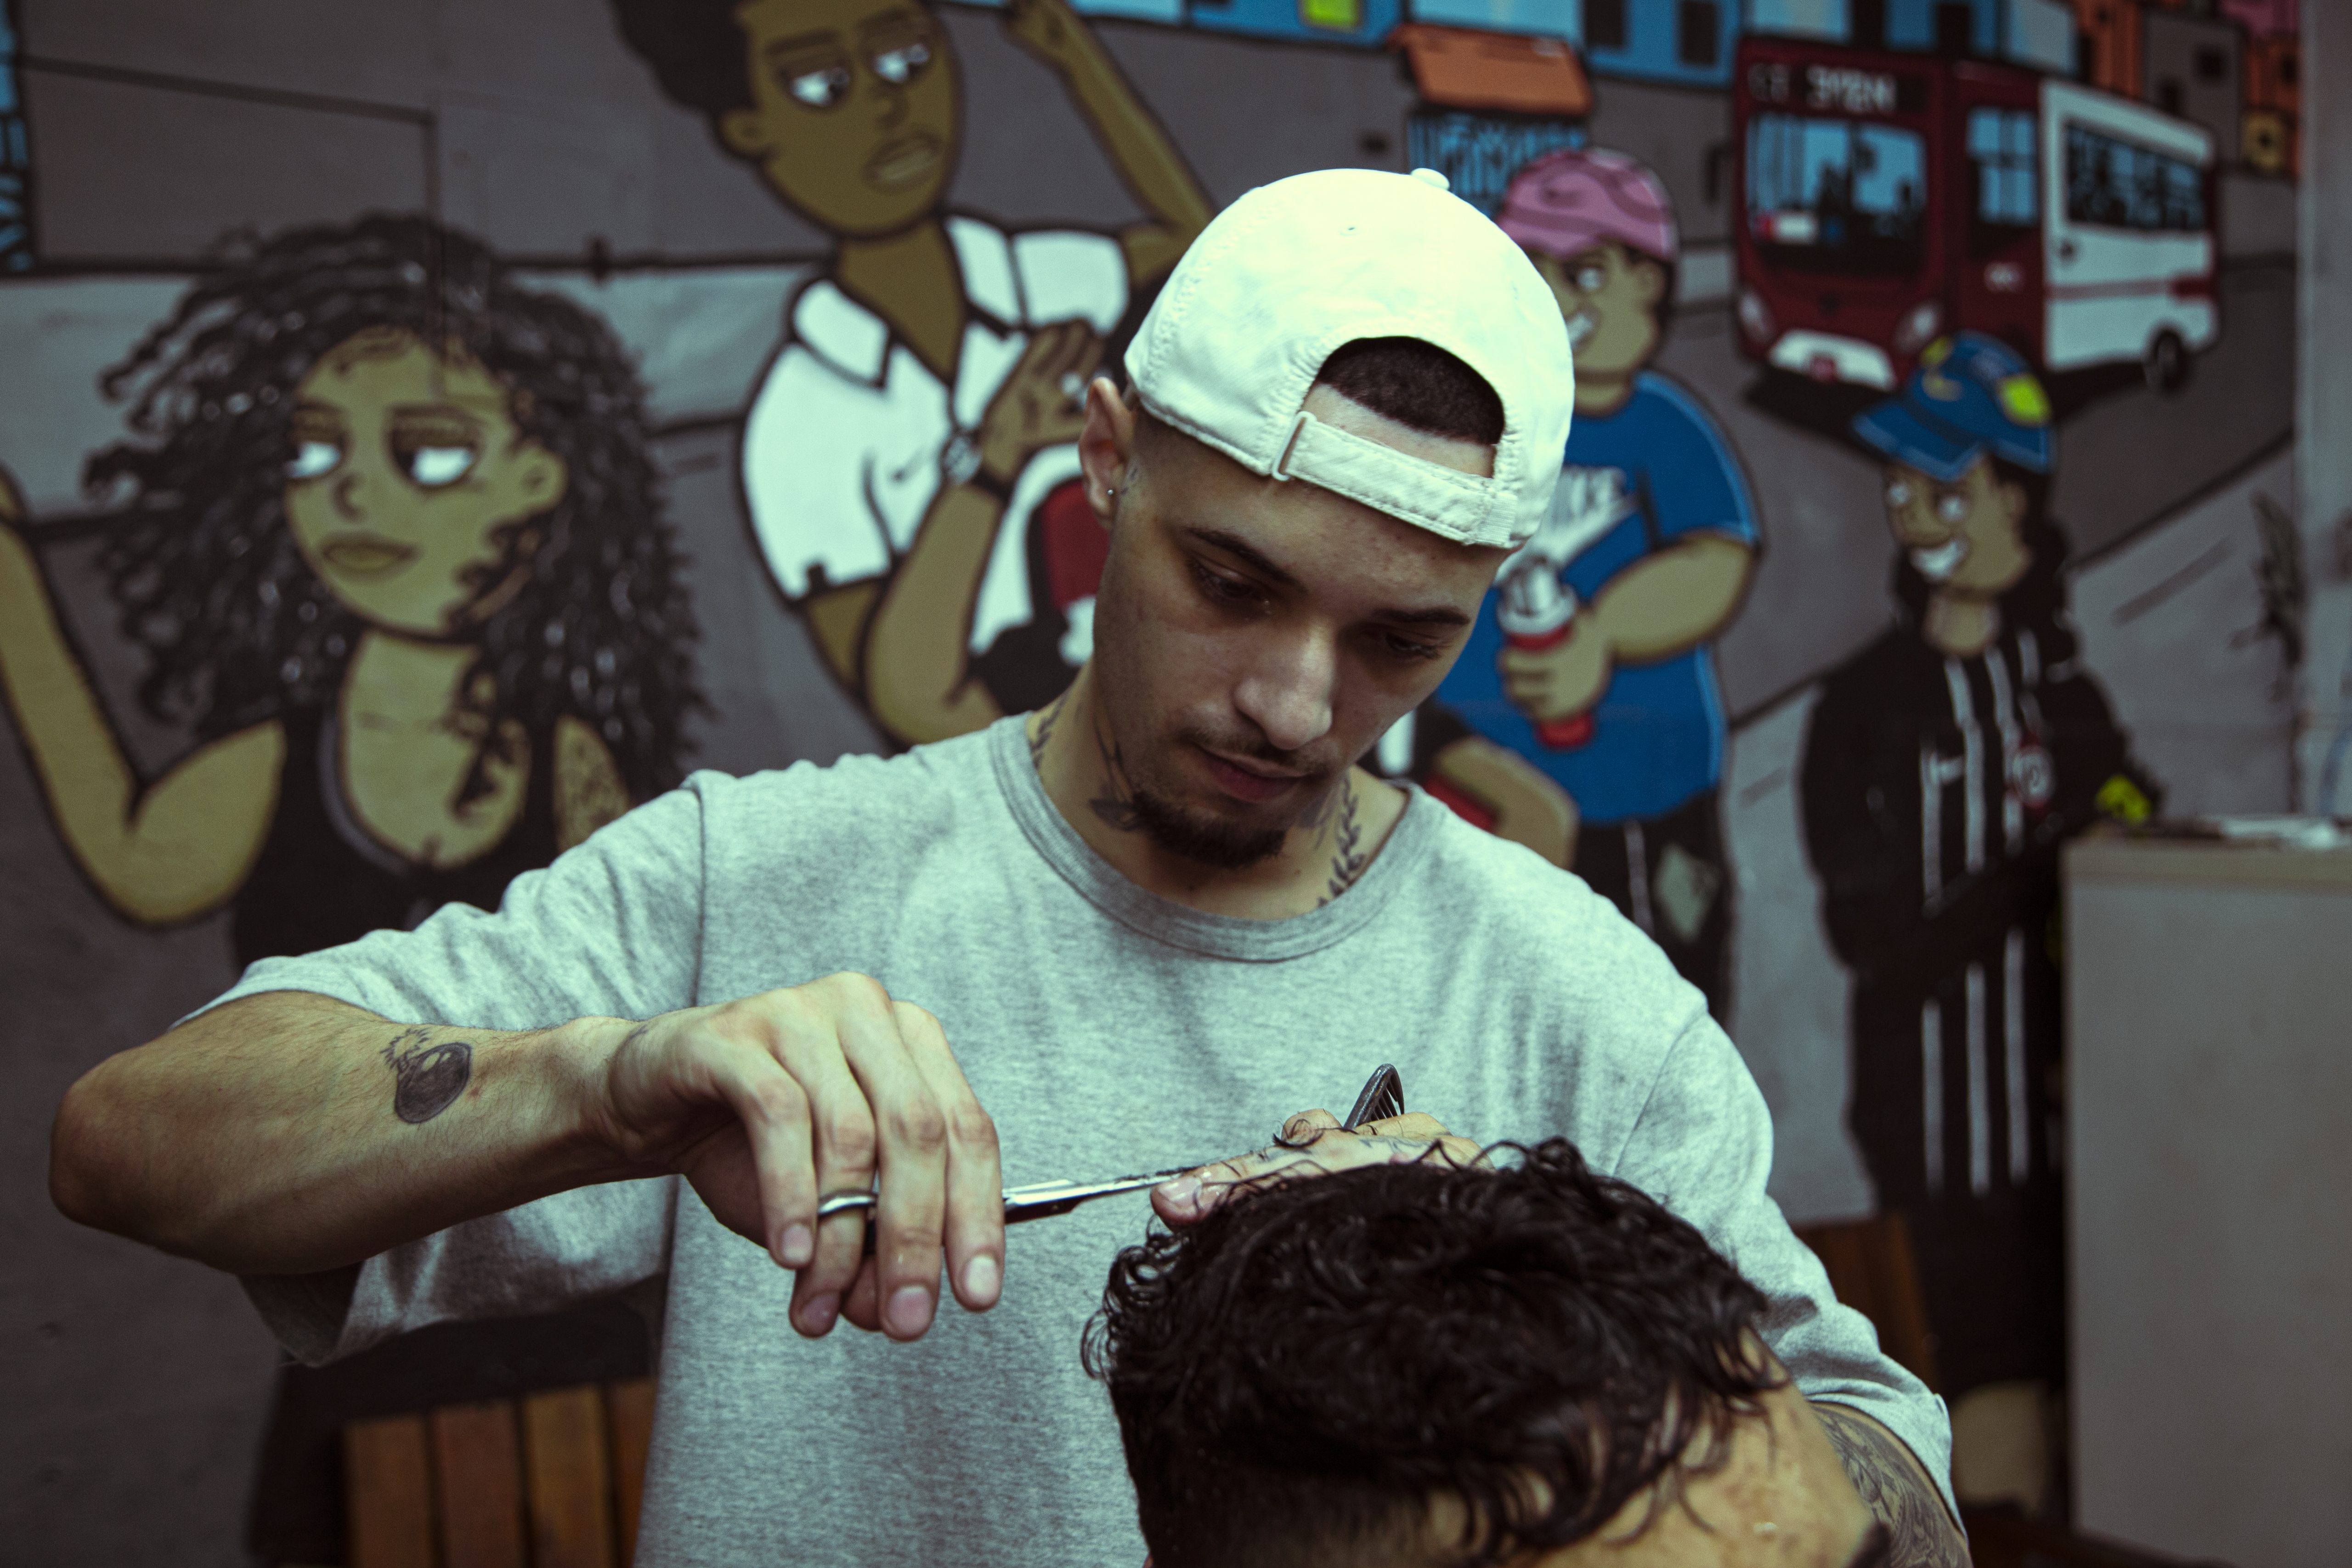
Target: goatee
[1202,838]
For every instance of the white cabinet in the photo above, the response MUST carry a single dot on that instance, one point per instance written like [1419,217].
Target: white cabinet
[2208,1108]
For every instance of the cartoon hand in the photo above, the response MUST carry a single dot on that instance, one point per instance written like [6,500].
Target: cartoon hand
[1313,1143]
[1528,806]
[1552,683]
[1048,29]
[1037,406]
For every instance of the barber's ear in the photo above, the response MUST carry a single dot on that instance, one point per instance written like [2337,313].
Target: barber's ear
[1107,447]
[2013,500]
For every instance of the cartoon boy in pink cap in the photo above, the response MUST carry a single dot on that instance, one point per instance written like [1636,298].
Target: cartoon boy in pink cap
[1591,657]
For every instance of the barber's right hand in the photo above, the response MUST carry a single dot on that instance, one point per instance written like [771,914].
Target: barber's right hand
[766,1103]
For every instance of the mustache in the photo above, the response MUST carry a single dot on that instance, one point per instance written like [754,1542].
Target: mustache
[1314,767]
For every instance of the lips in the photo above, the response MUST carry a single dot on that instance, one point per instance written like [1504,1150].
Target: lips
[904,160]
[1938,563]
[1249,783]
[366,555]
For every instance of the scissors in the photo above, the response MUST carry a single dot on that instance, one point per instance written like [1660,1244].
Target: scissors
[1382,1096]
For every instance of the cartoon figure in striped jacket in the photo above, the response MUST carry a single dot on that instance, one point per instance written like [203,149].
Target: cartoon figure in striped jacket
[1943,767]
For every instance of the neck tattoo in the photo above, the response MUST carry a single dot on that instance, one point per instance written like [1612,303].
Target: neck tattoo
[1114,802]
[1349,859]
[1045,722]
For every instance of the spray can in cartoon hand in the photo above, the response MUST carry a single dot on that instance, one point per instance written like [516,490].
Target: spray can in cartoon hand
[1535,611]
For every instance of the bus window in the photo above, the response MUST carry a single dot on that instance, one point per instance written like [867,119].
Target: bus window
[2000,161]
[1836,195]
[2115,183]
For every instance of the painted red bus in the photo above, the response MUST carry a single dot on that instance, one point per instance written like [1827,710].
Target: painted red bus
[1887,199]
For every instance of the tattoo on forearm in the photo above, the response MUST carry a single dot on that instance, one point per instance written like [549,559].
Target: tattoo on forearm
[1920,1533]
[427,1079]
[1348,858]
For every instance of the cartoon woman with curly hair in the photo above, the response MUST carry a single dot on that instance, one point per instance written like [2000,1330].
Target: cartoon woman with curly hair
[392,546]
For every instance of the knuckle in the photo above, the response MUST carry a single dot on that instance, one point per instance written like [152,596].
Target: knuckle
[920,1125]
[849,1137]
[973,1129]
[853,989]
[914,1020]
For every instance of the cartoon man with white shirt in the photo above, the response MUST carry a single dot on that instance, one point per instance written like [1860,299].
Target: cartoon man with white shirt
[904,458]
[1592,660]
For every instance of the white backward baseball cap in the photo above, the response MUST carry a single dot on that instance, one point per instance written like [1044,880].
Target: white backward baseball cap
[1297,269]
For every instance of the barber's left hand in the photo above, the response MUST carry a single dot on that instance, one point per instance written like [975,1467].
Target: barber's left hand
[1313,1144]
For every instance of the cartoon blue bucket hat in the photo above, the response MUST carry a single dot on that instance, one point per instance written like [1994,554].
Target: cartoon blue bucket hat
[1972,395]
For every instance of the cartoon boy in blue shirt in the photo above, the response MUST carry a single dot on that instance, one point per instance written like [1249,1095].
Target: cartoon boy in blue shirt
[1592,660]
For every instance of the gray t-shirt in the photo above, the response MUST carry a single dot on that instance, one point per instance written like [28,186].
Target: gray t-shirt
[1107,1030]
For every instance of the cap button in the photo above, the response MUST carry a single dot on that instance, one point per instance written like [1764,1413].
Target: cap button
[1432,177]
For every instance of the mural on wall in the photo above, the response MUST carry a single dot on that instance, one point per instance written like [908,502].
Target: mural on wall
[1943,767]
[389,540]
[1592,659]
[908,460]
[383,594]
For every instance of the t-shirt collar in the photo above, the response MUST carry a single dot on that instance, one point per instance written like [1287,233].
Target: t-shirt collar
[1178,925]
[855,341]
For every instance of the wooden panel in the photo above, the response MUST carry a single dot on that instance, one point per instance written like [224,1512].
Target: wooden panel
[1870,1267]
[571,1479]
[478,1472]
[630,1407]
[388,1485]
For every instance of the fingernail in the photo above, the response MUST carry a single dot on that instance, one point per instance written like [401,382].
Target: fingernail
[1183,1192]
[982,1278]
[909,1311]
[818,1312]
[797,1247]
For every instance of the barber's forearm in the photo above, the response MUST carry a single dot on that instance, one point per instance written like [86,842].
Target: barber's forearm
[289,1132]
[1896,1489]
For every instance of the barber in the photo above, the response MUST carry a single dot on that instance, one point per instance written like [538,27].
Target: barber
[1146,917]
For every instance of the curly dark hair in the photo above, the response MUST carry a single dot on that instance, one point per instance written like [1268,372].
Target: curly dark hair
[1306,1370]
[208,577]
[697,50]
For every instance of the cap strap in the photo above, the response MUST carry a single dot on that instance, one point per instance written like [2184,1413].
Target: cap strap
[1462,507]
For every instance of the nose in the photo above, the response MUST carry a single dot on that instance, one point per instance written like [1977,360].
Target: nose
[1287,692]
[892,102]
[346,495]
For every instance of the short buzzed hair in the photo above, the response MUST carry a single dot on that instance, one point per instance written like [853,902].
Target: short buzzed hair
[1314,1369]
[1416,384]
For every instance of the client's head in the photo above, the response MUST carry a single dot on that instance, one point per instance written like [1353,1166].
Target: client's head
[1420,1364]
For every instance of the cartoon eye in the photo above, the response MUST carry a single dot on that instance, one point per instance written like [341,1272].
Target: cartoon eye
[820,89]
[1590,279]
[312,459]
[1952,507]
[435,466]
[902,65]
[1898,494]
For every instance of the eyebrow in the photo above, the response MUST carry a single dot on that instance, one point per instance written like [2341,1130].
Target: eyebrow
[891,20]
[1249,554]
[1255,559]
[801,44]
[455,403]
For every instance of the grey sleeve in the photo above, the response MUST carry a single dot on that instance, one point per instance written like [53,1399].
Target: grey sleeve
[557,1252]
[1702,1146]
[612,928]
